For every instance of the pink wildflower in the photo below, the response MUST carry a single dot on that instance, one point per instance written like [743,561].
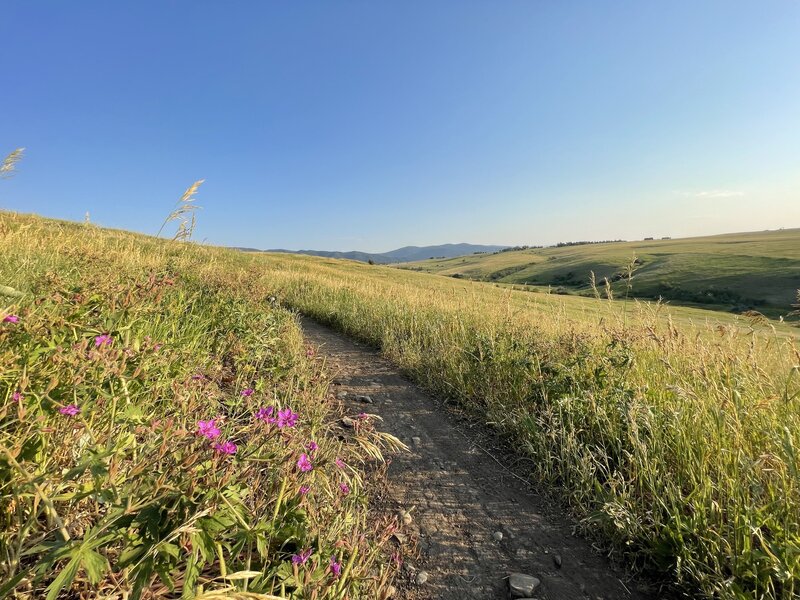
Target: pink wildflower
[304,489]
[286,418]
[11,319]
[363,415]
[208,429]
[345,489]
[340,463]
[309,352]
[70,410]
[301,557]
[225,448]
[103,340]
[198,377]
[335,567]
[312,446]
[247,392]
[16,396]
[265,414]
[157,347]
[304,463]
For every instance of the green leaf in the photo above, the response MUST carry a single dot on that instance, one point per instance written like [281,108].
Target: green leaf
[192,574]
[95,564]
[64,578]
[12,583]
[142,579]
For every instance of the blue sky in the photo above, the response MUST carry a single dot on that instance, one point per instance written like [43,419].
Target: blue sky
[371,125]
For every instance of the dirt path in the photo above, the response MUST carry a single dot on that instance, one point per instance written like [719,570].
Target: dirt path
[462,498]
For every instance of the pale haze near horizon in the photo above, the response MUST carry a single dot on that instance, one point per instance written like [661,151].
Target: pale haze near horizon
[368,127]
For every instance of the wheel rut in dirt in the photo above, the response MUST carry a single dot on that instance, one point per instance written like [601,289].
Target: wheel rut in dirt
[475,520]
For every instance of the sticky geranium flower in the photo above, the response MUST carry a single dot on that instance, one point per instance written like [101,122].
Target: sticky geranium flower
[225,448]
[70,410]
[363,415]
[16,396]
[304,463]
[301,557]
[286,418]
[208,429]
[11,319]
[312,446]
[339,463]
[265,414]
[344,488]
[103,340]
[304,489]
[247,392]
[335,567]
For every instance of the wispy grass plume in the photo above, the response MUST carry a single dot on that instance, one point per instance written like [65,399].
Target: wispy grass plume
[8,167]
[184,214]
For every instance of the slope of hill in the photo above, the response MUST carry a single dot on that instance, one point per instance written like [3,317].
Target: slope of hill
[739,271]
[404,254]
[672,430]
[157,414]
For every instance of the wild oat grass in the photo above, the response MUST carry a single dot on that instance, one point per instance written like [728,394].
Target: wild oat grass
[673,434]
[112,348]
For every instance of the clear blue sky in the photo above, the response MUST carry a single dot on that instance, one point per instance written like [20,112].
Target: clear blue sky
[370,125]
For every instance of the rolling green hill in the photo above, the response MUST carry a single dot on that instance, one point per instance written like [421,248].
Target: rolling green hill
[739,271]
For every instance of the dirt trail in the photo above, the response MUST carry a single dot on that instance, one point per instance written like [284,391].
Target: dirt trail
[460,496]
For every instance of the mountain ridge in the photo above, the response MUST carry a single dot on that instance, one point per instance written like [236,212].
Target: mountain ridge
[404,254]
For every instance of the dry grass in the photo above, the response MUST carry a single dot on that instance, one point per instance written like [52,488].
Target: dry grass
[141,339]
[673,434]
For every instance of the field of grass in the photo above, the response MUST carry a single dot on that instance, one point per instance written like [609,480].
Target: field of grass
[672,433]
[759,270]
[164,431]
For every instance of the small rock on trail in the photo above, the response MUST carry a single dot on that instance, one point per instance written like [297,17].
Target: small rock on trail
[522,586]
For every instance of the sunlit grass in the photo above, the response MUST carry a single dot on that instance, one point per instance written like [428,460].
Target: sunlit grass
[673,433]
[112,348]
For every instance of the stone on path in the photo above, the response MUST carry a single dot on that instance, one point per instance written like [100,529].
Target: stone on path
[498,536]
[422,577]
[364,399]
[521,585]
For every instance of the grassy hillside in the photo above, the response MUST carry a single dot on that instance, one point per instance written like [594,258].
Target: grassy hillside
[673,433]
[164,432]
[741,271]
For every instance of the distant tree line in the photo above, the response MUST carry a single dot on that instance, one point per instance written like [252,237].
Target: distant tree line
[583,243]
[558,245]
[518,248]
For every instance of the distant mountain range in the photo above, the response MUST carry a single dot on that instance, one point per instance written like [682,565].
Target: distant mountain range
[405,254]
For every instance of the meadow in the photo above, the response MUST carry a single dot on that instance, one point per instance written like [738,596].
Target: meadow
[740,271]
[670,433]
[165,432]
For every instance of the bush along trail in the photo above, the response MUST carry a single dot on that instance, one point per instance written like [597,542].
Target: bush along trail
[165,433]
[479,530]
